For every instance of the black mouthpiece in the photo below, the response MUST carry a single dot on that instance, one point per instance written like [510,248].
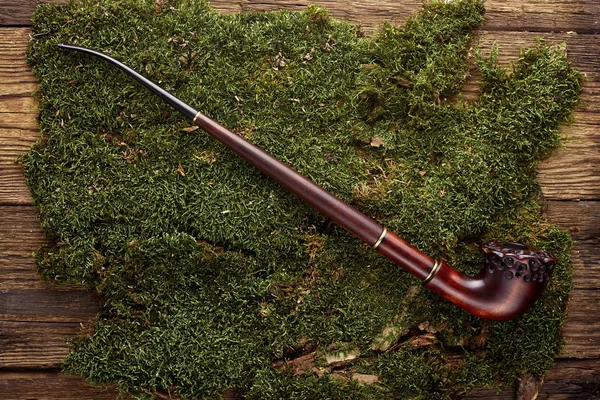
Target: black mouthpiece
[173,101]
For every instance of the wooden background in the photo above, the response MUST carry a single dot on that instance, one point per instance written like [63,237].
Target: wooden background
[36,317]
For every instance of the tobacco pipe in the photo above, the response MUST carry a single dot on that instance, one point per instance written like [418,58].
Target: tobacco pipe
[513,277]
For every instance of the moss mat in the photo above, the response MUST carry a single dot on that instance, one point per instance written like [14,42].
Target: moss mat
[212,276]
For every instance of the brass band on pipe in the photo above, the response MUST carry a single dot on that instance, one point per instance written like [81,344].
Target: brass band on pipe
[378,242]
[434,270]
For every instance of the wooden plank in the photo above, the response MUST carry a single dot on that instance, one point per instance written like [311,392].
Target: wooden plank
[35,324]
[36,317]
[35,307]
[21,232]
[50,386]
[572,379]
[13,143]
[582,220]
[582,329]
[586,264]
[569,379]
[573,172]
[18,12]
[15,103]
[535,15]
[35,345]
[12,187]
[50,304]
[570,173]
[18,126]
[23,121]
[20,236]
[16,78]
[543,16]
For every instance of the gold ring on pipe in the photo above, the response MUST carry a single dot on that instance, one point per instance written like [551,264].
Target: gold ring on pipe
[432,273]
[196,116]
[378,242]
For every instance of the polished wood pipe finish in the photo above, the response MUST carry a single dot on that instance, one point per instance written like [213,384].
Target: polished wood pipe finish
[512,279]
[358,224]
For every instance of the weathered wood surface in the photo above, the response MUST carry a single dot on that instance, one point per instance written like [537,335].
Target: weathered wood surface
[534,15]
[51,385]
[571,379]
[37,317]
[573,173]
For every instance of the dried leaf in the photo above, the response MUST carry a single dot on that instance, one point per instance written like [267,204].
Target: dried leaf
[298,365]
[376,141]
[365,379]
[342,356]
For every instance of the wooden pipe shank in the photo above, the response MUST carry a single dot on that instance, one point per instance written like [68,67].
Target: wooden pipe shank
[343,214]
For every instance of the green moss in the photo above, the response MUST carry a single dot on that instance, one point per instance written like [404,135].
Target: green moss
[211,274]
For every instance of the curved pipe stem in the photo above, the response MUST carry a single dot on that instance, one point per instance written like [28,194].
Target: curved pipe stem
[471,294]
[173,101]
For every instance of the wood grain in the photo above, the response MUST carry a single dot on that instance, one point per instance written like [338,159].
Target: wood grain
[569,173]
[537,15]
[18,126]
[577,379]
[21,236]
[50,386]
[35,345]
[572,172]
[13,143]
[582,220]
[570,379]
[18,12]
[583,325]
[37,317]
[35,307]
